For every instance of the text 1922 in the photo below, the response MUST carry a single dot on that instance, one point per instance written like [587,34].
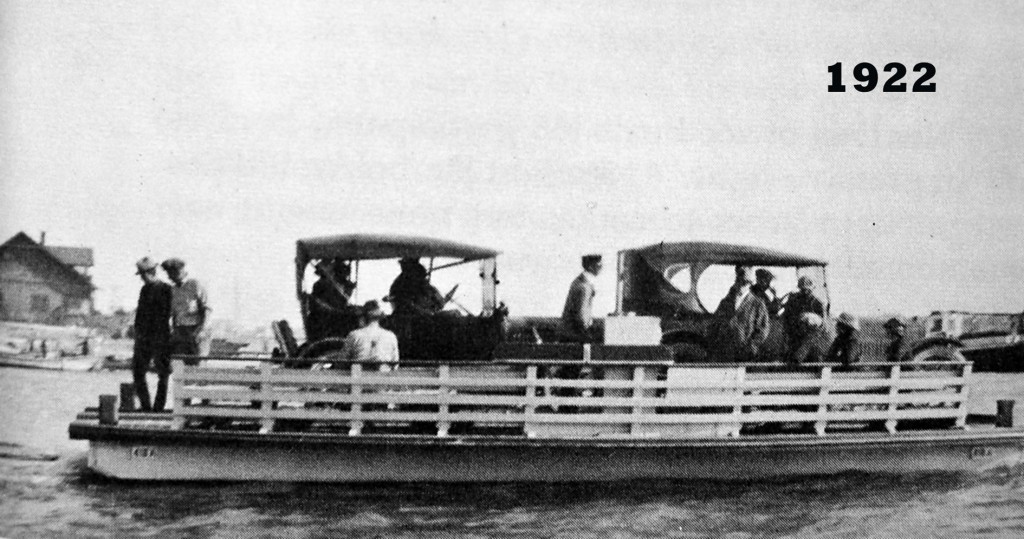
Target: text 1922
[867,76]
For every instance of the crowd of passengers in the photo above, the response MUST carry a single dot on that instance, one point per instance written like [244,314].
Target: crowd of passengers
[742,323]
[744,318]
[172,318]
[739,331]
[331,313]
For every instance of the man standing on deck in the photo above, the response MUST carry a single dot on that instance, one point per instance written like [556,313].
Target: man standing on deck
[152,335]
[741,322]
[578,313]
[845,349]
[765,292]
[189,312]
[896,350]
[800,302]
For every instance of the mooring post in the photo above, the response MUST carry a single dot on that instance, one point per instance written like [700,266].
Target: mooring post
[108,409]
[1004,414]
[127,398]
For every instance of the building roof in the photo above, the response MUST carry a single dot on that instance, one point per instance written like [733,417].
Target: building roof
[72,256]
[386,246]
[47,262]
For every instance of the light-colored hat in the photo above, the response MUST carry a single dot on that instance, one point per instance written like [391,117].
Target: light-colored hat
[372,310]
[811,320]
[849,321]
[145,265]
[173,264]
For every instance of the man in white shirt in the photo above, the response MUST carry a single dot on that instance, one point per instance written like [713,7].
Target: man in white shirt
[190,309]
[578,313]
[372,342]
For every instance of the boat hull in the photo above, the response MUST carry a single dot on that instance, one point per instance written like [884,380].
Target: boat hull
[233,457]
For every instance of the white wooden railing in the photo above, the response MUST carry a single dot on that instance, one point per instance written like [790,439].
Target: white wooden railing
[524,398]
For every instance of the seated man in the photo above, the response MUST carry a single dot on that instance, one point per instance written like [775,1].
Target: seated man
[412,293]
[372,342]
[329,311]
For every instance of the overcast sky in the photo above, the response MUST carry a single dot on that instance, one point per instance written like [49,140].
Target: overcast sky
[222,132]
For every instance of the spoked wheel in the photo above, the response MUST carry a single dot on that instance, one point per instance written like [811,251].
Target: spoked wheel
[939,352]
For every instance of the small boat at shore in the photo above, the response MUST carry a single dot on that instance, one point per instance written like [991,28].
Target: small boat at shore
[58,363]
[625,412]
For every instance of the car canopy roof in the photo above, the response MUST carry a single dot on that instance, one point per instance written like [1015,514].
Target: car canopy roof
[664,254]
[385,246]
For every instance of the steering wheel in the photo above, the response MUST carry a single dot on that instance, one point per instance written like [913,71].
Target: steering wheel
[451,294]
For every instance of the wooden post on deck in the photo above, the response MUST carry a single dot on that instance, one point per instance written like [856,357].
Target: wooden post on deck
[531,401]
[737,410]
[965,395]
[266,405]
[638,393]
[443,425]
[356,424]
[894,394]
[108,409]
[1004,414]
[177,419]
[826,386]
[127,398]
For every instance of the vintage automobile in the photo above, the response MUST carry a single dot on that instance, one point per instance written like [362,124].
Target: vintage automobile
[453,333]
[994,342]
[681,284]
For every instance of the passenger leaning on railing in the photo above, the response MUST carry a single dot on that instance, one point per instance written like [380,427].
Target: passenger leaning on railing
[846,348]
[372,343]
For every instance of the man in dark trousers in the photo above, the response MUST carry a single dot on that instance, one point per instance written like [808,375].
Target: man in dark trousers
[741,322]
[152,335]
[578,313]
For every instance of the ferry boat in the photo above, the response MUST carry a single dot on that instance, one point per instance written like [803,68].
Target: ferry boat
[466,404]
[519,420]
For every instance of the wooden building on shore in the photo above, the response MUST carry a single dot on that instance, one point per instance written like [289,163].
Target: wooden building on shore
[44,284]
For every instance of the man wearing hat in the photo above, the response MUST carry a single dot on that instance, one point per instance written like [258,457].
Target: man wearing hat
[846,348]
[152,335]
[817,341]
[741,322]
[578,313]
[189,311]
[896,351]
[372,342]
[800,302]
[764,291]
